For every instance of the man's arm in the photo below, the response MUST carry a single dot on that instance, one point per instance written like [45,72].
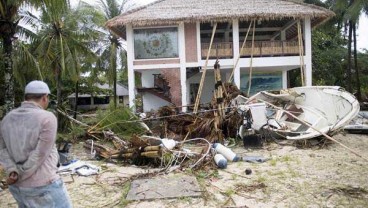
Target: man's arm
[5,160]
[44,146]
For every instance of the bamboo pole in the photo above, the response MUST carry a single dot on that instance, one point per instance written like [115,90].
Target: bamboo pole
[241,51]
[198,98]
[301,53]
[251,61]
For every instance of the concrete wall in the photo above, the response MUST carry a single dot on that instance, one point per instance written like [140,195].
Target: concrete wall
[191,42]
[152,102]
[208,87]
[173,77]
[125,101]
[147,77]
[159,61]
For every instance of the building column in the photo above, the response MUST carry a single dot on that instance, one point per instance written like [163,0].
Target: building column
[308,51]
[284,73]
[284,79]
[283,35]
[183,69]
[199,47]
[130,58]
[236,52]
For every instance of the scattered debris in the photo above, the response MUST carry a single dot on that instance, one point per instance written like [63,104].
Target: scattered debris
[299,113]
[220,161]
[359,125]
[250,188]
[63,150]
[226,152]
[248,171]
[80,167]
[255,159]
[354,192]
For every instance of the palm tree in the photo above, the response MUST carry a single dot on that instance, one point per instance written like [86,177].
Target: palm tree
[112,51]
[349,12]
[65,38]
[9,19]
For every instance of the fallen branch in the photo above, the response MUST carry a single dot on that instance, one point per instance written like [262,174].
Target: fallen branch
[72,119]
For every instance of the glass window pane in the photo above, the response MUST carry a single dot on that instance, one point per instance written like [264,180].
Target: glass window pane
[156,43]
[261,82]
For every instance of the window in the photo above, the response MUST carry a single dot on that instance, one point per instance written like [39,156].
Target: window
[156,43]
[84,101]
[193,92]
[101,100]
[261,82]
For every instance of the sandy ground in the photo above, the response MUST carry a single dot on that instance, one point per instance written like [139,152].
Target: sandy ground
[294,177]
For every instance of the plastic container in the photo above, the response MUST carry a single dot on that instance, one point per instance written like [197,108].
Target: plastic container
[168,143]
[226,152]
[220,161]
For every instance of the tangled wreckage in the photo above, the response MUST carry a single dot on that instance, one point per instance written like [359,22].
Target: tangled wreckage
[299,113]
[167,136]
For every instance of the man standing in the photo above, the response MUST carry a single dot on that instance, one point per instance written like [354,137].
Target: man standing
[28,152]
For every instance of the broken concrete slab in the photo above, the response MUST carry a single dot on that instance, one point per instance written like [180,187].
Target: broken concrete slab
[159,188]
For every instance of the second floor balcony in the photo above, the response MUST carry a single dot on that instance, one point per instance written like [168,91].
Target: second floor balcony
[225,50]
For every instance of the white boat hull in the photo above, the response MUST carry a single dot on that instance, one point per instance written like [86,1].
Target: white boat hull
[324,108]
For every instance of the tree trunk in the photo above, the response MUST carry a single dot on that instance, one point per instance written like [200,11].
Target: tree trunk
[9,77]
[359,94]
[58,94]
[348,69]
[76,99]
[115,95]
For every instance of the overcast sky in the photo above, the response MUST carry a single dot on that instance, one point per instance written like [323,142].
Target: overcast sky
[362,32]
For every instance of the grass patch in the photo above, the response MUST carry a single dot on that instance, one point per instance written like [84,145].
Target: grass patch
[229,192]
[202,174]
[293,173]
[279,174]
[124,192]
[286,158]
[273,162]
[249,187]
[261,179]
[186,199]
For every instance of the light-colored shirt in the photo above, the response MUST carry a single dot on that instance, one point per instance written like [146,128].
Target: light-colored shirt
[27,145]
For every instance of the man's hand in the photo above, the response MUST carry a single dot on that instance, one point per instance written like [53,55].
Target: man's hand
[13,178]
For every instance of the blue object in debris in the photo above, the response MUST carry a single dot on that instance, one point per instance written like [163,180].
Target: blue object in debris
[220,161]
[255,159]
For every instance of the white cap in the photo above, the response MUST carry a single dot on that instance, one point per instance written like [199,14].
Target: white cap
[37,87]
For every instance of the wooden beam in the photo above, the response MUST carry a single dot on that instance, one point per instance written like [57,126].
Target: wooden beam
[264,29]
[287,26]
[258,37]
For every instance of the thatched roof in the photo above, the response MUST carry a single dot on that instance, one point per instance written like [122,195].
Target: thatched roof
[164,12]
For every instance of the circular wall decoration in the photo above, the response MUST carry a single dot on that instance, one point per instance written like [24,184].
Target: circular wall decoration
[156,44]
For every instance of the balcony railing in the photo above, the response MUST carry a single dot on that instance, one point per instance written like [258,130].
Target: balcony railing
[261,49]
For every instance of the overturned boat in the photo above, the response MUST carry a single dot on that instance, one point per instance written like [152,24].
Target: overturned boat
[297,113]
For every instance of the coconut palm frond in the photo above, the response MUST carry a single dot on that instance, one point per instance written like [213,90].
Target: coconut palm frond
[25,61]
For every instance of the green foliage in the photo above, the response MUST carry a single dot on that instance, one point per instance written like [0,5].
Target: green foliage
[363,66]
[120,120]
[77,131]
[329,58]
[201,174]
[112,54]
